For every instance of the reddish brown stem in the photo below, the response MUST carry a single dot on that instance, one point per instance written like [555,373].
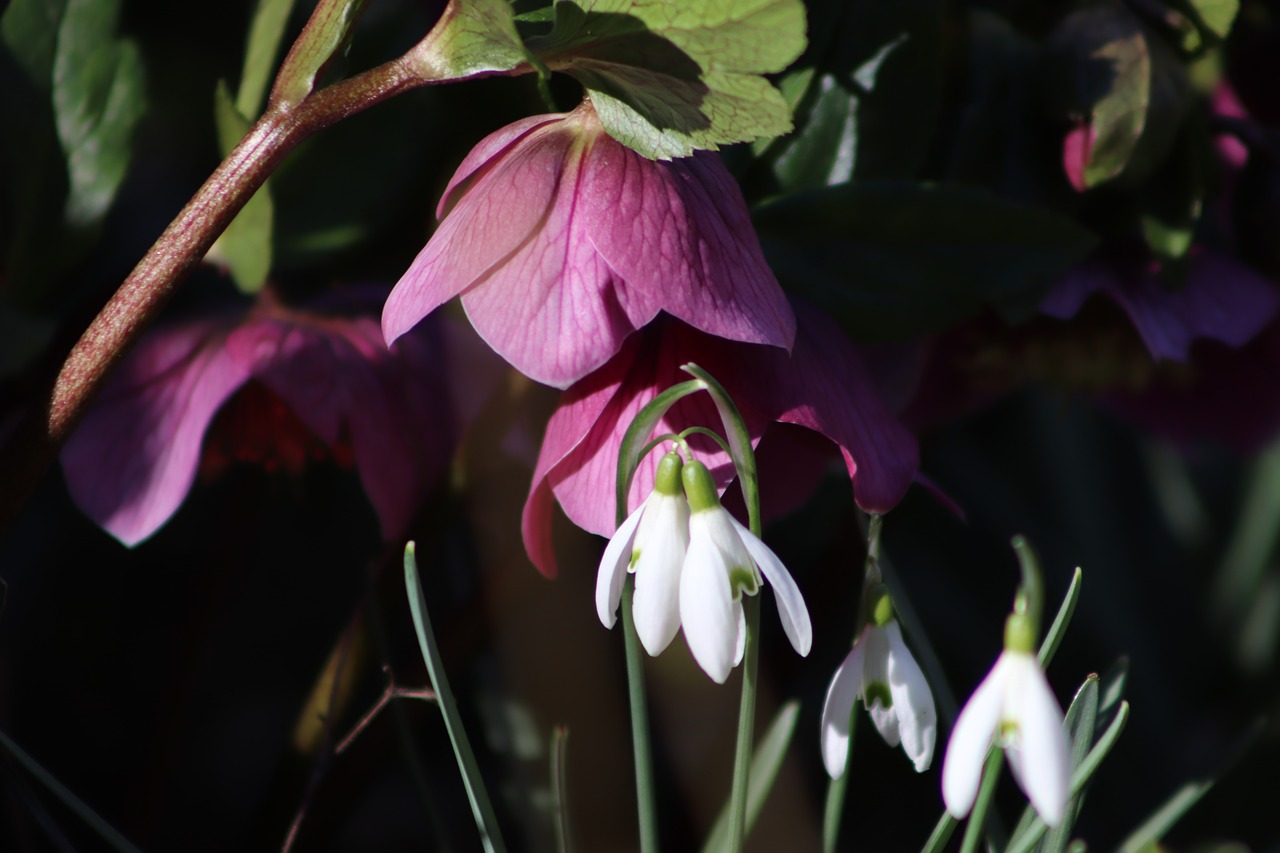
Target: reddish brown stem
[30,451]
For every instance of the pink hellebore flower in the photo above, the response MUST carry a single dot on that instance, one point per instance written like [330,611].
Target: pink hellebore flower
[823,386]
[311,380]
[562,242]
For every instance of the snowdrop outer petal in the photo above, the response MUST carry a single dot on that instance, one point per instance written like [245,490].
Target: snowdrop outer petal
[613,568]
[846,687]
[1043,766]
[967,750]
[912,701]
[663,539]
[791,608]
[876,671]
[707,608]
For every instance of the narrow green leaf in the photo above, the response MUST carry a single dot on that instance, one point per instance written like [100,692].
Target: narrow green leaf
[481,808]
[1082,717]
[1083,773]
[105,831]
[98,98]
[890,260]
[765,764]
[668,79]
[245,247]
[1058,630]
[472,37]
[560,787]
[324,35]
[1148,835]
[265,32]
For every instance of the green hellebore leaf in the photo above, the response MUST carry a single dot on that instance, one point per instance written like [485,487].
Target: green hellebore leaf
[873,106]
[98,99]
[668,79]
[472,37]
[245,247]
[265,33]
[326,32]
[29,30]
[890,260]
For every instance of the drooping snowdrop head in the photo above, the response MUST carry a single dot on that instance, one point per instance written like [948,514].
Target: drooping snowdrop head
[1015,708]
[881,671]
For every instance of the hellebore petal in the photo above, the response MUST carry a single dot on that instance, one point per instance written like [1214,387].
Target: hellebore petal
[1222,300]
[822,387]
[134,457]
[562,242]
[791,609]
[132,463]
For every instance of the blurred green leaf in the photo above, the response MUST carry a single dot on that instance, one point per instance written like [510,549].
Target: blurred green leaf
[1154,828]
[890,260]
[668,79]
[98,98]
[245,246]
[29,29]
[1061,621]
[1082,717]
[324,35]
[765,765]
[265,32]
[471,37]
[1216,16]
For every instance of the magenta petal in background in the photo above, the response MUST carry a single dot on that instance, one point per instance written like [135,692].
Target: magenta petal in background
[1223,300]
[562,242]
[823,387]
[134,457]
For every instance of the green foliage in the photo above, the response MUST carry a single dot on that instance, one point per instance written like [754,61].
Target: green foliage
[871,86]
[472,37]
[245,247]
[668,79]
[326,32]
[265,32]
[893,259]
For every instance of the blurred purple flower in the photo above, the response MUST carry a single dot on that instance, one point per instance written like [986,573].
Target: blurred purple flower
[1221,300]
[562,242]
[297,384]
[823,386]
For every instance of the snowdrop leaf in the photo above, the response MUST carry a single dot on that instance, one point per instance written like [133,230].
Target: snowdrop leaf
[1053,637]
[265,32]
[1215,16]
[635,442]
[669,79]
[889,259]
[98,99]
[766,761]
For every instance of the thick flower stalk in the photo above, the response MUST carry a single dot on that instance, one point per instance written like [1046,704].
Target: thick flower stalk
[1015,708]
[303,381]
[881,671]
[562,242]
